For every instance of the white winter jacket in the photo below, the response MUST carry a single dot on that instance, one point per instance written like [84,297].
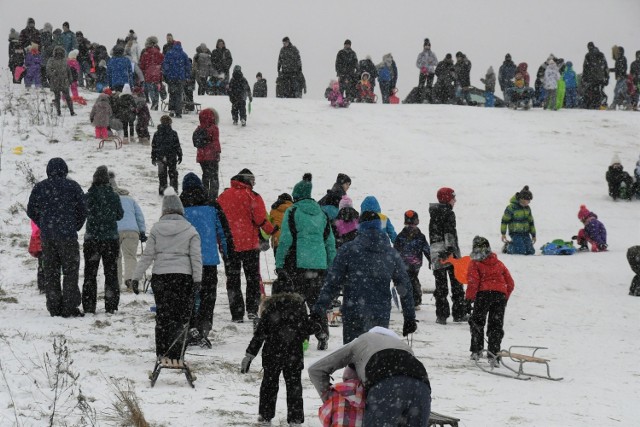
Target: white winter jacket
[173,247]
[428,59]
[551,76]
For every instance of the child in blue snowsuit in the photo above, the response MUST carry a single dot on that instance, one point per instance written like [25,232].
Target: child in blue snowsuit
[370,203]
[411,243]
[571,86]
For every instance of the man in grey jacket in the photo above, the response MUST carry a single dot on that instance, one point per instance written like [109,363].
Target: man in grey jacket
[397,384]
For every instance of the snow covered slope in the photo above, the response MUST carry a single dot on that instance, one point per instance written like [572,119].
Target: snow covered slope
[577,306]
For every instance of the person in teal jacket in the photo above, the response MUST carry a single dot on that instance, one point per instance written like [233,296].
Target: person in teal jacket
[370,203]
[307,247]
[518,220]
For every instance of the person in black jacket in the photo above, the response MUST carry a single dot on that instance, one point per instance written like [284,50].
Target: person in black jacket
[125,111]
[221,60]
[238,91]
[283,327]
[289,69]
[443,238]
[331,201]
[368,66]
[347,70]
[463,78]
[620,72]
[444,90]
[260,87]
[166,153]
[595,76]
[616,176]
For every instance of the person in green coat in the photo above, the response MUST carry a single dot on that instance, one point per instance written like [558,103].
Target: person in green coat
[518,220]
[306,248]
[101,241]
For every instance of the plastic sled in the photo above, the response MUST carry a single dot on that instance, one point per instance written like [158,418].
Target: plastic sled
[460,267]
[558,247]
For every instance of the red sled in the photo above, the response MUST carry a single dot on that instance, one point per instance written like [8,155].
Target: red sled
[393,98]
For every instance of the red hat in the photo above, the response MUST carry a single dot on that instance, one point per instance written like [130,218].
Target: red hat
[583,213]
[107,91]
[446,194]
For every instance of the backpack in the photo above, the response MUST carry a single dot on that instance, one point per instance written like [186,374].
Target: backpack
[200,137]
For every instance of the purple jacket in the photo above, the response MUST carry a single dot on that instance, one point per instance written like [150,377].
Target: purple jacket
[32,64]
[595,230]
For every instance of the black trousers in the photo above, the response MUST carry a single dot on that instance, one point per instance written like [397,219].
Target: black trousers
[41,281]
[108,251]
[289,82]
[203,319]
[168,168]
[428,79]
[61,255]
[127,126]
[250,263]
[269,393]
[460,307]
[176,94]
[174,301]
[67,98]
[493,304]
[210,178]
[415,284]
[202,85]
[239,108]
[308,284]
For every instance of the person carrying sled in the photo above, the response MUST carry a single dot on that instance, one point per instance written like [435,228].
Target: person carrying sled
[593,232]
[283,327]
[490,286]
[619,181]
[518,220]
[411,244]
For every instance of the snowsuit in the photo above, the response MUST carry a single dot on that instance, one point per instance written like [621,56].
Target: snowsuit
[32,63]
[571,86]
[174,249]
[207,218]
[238,91]
[363,270]
[616,176]
[490,286]
[247,215]
[126,112]
[443,238]
[101,241]
[209,155]
[411,244]
[283,327]
[100,115]
[593,232]
[57,206]
[518,220]
[166,153]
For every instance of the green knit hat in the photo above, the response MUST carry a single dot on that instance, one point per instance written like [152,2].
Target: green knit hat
[302,190]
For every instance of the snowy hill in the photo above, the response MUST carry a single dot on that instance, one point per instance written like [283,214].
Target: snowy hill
[577,306]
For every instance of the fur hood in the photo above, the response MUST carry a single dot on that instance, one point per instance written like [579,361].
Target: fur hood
[284,297]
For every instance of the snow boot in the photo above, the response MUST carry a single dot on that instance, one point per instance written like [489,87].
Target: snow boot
[476,355]
[243,122]
[441,320]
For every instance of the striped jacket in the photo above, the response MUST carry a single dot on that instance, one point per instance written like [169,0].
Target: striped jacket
[518,219]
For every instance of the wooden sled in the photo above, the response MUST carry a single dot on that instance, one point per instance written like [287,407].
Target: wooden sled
[166,363]
[111,138]
[436,419]
[521,359]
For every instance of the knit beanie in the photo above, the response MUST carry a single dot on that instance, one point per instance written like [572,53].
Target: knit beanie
[171,203]
[583,213]
[616,159]
[343,179]
[480,248]
[370,220]
[302,190]
[445,195]
[165,120]
[191,181]
[411,218]
[524,194]
[345,202]
[245,176]
[101,176]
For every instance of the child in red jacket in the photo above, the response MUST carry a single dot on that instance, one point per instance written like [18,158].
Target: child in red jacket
[490,286]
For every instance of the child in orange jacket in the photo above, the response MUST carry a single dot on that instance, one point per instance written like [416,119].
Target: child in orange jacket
[490,286]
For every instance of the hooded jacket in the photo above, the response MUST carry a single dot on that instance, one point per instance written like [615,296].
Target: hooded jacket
[151,64]
[411,244]
[246,214]
[239,88]
[209,121]
[119,69]
[221,59]
[58,71]
[104,210]
[517,219]
[443,236]
[176,65]
[56,204]
[490,274]
[370,203]
[278,208]
[569,76]
[173,247]
[166,144]
[595,230]
[133,218]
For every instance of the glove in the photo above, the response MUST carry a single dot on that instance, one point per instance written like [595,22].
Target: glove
[246,362]
[143,237]
[533,239]
[179,160]
[153,162]
[196,287]
[409,327]
[574,237]
[134,287]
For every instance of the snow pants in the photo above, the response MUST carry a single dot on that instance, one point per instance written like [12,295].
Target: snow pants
[239,108]
[308,284]
[210,178]
[269,393]
[520,244]
[203,319]
[173,294]
[415,284]
[250,263]
[398,401]
[108,251]
[460,307]
[62,255]
[493,304]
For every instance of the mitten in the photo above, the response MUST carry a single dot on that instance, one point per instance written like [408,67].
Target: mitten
[134,287]
[409,327]
[246,362]
[143,237]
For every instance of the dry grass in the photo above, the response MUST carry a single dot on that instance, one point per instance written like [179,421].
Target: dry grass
[126,409]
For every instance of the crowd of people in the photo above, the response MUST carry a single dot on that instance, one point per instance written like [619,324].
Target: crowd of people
[323,249]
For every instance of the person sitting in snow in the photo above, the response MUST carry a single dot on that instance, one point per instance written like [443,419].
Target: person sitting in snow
[365,90]
[334,95]
[593,232]
[518,219]
[490,285]
[619,181]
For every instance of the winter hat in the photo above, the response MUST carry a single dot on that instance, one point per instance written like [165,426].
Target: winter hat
[73,54]
[445,195]
[345,202]
[583,213]
[286,39]
[126,89]
[283,283]
[370,203]
[259,74]
[245,176]
[237,68]
[65,24]
[285,197]
[369,220]
[107,91]
[524,194]
[31,21]
[348,42]
[448,57]
[480,248]
[302,190]
[426,43]
[615,159]
[459,54]
[48,27]
[411,218]
[165,120]
[490,71]
[101,176]
[191,181]
[151,41]
[343,179]
[171,203]
[507,57]
[13,34]
[569,64]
